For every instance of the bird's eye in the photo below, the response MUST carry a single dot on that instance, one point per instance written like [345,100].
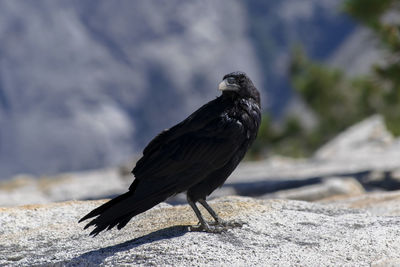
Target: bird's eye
[230,80]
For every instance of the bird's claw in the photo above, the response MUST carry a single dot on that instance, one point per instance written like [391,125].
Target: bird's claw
[228,224]
[215,227]
[206,228]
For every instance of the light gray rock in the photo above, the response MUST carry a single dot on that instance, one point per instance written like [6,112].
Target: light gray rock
[274,233]
[335,186]
[366,146]
[23,190]
[363,140]
[386,262]
[378,203]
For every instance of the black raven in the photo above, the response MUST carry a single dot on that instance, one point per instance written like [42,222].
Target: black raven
[196,156]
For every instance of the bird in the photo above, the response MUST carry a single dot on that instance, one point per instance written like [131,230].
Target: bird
[195,156]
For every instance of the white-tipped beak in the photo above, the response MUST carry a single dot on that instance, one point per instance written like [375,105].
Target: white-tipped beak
[222,85]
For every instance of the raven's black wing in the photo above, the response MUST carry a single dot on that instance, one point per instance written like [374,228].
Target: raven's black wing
[186,153]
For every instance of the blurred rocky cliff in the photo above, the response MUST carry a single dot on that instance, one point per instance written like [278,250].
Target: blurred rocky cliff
[86,84]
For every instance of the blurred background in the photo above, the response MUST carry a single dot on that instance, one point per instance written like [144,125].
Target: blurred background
[87,84]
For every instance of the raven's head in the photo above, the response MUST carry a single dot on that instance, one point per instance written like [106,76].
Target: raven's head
[237,83]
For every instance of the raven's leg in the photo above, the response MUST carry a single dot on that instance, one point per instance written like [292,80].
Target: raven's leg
[217,219]
[196,210]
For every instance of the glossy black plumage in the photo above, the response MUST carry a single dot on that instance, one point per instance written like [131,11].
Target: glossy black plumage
[196,155]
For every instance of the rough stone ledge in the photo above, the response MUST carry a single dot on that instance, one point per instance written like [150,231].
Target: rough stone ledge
[274,233]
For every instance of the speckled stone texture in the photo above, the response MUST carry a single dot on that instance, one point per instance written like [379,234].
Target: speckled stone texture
[274,233]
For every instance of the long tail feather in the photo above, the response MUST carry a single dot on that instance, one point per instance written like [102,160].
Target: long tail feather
[105,206]
[119,211]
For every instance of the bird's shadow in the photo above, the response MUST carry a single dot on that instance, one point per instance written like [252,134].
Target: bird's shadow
[97,256]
